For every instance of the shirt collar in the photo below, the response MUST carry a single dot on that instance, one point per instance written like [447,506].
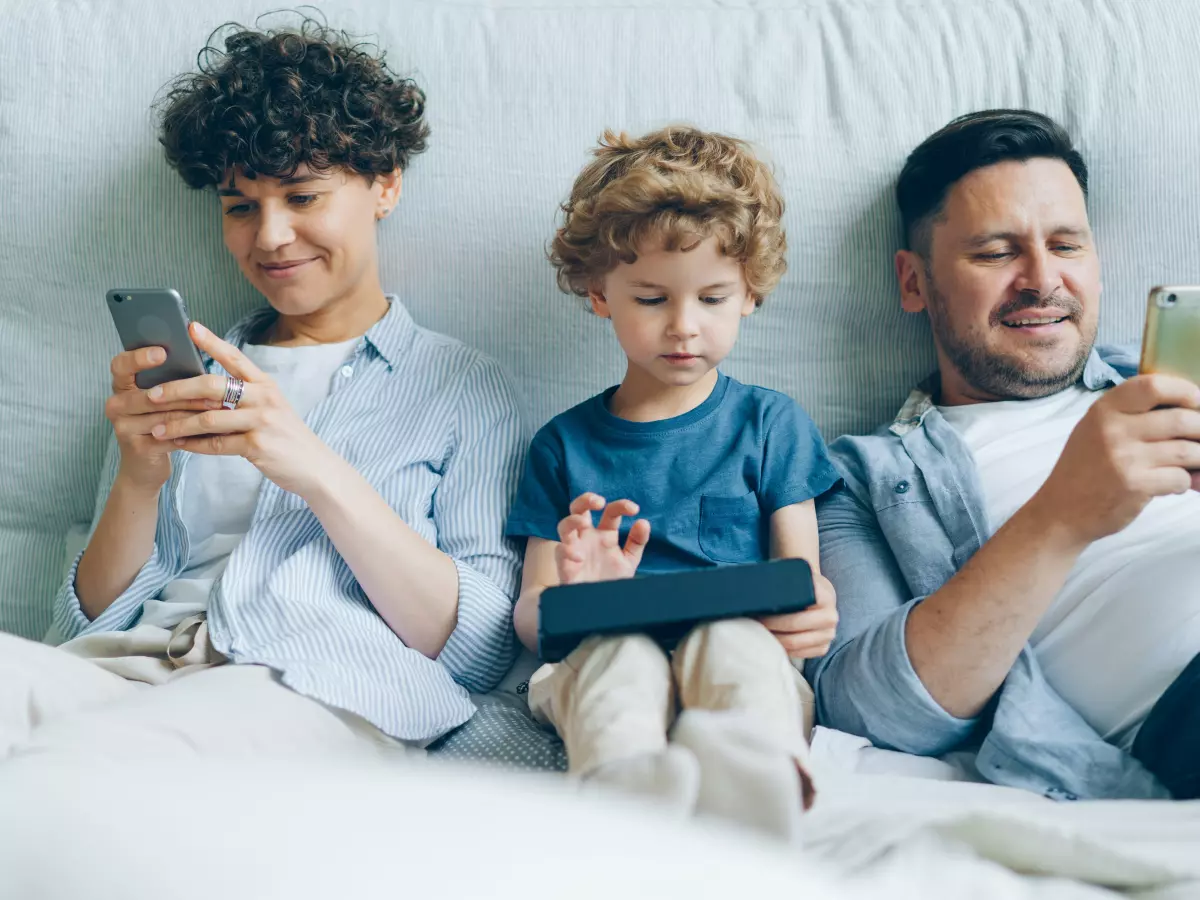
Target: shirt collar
[389,336]
[1098,374]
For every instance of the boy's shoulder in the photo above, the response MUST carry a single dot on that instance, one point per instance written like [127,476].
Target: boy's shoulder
[571,422]
[764,404]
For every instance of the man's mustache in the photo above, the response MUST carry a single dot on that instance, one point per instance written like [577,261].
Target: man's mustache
[1033,300]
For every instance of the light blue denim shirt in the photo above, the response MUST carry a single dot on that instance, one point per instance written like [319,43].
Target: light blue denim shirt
[909,516]
[435,428]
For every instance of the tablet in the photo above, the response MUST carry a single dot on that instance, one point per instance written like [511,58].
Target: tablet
[666,607]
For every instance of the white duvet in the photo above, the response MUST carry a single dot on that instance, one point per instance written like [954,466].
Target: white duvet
[71,826]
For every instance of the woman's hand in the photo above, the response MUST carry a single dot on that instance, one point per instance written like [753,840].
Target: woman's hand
[145,460]
[263,429]
[587,553]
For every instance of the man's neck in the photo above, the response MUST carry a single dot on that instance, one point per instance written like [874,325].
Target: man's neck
[643,398]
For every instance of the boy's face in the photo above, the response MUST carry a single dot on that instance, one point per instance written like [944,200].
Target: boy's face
[676,313]
[308,241]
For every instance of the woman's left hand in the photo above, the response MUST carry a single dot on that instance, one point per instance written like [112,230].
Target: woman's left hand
[263,429]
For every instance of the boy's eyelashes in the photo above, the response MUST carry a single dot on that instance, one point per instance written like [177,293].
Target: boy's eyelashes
[655,301]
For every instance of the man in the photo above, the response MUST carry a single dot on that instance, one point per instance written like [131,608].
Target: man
[1017,555]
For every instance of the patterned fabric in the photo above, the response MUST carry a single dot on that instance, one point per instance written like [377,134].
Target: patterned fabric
[434,427]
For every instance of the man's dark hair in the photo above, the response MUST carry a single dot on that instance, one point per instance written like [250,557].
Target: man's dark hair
[972,142]
[274,100]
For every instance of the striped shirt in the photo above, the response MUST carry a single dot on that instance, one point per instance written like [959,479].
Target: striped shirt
[434,426]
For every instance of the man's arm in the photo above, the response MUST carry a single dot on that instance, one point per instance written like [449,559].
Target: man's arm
[866,685]
[1138,442]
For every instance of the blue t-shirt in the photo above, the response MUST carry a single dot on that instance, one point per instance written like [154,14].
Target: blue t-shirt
[707,481]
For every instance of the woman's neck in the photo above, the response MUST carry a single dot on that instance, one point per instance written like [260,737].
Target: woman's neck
[340,320]
[643,398]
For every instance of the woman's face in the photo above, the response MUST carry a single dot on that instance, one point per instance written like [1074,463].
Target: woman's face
[307,242]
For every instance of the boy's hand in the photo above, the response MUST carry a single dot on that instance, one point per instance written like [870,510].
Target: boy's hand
[807,634]
[593,553]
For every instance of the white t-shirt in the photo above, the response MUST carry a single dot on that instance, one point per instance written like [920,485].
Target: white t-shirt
[1127,620]
[219,493]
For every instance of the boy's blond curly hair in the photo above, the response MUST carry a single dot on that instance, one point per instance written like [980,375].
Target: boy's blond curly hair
[678,185]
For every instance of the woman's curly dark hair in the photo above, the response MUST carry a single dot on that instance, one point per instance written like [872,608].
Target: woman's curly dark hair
[274,100]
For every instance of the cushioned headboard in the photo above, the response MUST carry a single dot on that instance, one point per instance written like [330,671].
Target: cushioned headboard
[835,92]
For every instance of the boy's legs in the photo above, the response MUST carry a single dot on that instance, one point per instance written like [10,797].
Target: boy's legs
[745,720]
[611,701]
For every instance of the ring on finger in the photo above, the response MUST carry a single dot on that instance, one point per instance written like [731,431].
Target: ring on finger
[234,388]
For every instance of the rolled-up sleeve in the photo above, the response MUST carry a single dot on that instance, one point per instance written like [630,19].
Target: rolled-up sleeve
[470,506]
[70,621]
[866,684]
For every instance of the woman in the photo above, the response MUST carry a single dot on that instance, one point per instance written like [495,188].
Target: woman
[312,532]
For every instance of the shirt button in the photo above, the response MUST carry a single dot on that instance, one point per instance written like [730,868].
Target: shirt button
[347,371]
[902,487]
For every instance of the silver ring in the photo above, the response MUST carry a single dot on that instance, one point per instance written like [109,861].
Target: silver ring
[234,388]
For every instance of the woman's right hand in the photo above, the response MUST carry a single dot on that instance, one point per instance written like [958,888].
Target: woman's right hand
[145,460]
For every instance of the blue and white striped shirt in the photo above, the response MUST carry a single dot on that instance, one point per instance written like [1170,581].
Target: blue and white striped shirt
[435,427]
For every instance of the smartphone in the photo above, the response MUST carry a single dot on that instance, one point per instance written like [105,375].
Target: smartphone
[1171,344]
[666,607]
[156,317]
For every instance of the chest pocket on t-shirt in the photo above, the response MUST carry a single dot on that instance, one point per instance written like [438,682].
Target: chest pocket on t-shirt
[731,529]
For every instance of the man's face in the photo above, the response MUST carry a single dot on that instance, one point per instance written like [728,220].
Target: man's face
[305,242]
[1011,283]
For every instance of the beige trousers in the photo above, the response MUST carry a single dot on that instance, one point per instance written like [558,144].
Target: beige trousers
[615,698]
[159,692]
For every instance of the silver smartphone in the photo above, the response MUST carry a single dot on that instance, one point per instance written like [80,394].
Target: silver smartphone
[156,317]
[1171,343]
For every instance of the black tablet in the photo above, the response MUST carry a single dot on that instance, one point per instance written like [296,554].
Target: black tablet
[667,607]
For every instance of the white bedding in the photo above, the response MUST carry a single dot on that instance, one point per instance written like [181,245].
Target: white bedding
[71,827]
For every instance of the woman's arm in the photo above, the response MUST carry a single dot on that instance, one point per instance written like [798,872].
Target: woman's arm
[119,547]
[123,538]
[411,583]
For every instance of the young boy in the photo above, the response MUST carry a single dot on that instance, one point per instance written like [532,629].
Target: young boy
[675,237]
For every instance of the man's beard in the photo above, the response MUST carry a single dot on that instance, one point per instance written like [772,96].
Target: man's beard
[1000,375]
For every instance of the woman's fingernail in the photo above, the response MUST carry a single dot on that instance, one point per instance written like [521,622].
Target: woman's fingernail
[155,393]
[159,430]
[200,329]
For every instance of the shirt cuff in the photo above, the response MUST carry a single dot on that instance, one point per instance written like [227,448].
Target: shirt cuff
[870,688]
[483,645]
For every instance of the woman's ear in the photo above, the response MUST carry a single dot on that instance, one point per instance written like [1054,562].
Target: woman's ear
[389,195]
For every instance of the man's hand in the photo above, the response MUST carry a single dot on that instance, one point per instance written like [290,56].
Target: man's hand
[1140,441]
[807,634]
[587,553]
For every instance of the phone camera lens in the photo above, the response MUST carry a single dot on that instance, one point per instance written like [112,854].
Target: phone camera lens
[1172,299]
[117,298]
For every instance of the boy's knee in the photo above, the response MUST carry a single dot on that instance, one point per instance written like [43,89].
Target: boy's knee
[733,635]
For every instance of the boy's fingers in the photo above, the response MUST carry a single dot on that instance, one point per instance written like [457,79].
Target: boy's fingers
[610,520]
[572,525]
[635,543]
[586,503]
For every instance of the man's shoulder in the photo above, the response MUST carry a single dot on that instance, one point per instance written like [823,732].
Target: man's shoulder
[857,453]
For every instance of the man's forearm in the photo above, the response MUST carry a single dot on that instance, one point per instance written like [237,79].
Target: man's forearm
[963,639]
